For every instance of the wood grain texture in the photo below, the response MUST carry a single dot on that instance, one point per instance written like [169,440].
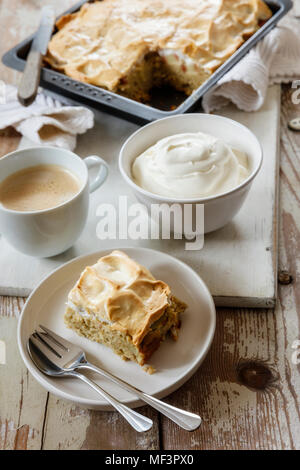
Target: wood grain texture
[19,21]
[247,390]
[22,400]
[70,427]
[11,306]
[9,140]
[239,414]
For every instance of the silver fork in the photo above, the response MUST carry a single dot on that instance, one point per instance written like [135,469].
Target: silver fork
[69,358]
[44,357]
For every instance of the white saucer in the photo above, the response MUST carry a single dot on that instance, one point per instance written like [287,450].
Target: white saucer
[174,362]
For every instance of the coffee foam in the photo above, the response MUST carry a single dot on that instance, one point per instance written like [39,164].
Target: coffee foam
[38,187]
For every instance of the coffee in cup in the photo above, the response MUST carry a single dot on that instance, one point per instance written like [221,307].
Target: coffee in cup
[44,198]
[38,187]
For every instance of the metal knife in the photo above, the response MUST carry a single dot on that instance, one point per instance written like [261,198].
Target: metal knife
[30,80]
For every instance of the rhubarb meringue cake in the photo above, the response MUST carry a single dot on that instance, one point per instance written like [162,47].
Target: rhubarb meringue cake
[118,302]
[131,46]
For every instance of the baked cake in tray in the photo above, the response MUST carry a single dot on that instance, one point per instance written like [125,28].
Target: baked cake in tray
[129,46]
[117,302]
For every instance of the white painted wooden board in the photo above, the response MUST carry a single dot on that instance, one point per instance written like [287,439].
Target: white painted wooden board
[238,262]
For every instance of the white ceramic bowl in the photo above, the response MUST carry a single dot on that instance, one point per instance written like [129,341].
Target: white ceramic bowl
[220,209]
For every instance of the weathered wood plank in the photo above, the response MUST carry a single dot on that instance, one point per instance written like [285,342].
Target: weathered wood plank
[11,306]
[19,21]
[9,140]
[248,351]
[22,400]
[222,249]
[250,236]
[236,417]
[70,427]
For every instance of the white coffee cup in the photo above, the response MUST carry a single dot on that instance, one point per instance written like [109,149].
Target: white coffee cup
[48,232]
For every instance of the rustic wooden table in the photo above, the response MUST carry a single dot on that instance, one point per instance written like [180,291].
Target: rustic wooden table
[248,388]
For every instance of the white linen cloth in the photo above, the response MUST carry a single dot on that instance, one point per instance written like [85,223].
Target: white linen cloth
[275,59]
[46,120]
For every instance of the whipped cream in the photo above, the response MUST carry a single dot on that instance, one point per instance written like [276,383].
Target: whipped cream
[191,165]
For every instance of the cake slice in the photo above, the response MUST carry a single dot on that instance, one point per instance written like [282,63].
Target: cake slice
[117,302]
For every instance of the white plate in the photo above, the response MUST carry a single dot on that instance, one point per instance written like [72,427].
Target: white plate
[175,362]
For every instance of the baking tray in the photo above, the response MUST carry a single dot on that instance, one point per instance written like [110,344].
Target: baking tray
[124,107]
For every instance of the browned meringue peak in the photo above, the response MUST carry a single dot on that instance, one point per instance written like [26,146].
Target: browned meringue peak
[120,291]
[104,40]
[121,269]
